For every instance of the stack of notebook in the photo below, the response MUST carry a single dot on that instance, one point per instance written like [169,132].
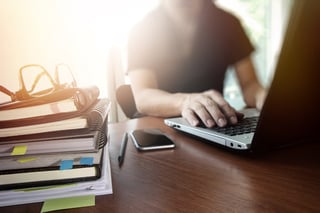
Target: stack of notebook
[54,149]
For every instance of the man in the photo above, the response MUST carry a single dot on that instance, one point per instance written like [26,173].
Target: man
[177,59]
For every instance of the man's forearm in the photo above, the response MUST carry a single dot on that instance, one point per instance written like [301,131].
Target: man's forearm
[254,95]
[156,102]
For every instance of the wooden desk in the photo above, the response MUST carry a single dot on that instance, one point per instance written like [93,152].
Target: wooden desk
[199,177]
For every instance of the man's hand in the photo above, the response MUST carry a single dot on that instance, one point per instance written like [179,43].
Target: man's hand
[211,108]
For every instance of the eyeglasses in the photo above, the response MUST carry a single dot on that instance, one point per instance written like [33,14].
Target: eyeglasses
[35,81]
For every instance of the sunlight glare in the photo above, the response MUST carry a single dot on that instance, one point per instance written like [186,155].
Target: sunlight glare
[79,33]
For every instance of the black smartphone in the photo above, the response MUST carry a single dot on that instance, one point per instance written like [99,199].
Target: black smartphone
[151,139]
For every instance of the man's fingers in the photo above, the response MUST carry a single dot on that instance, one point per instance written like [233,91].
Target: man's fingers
[211,109]
[213,113]
[190,116]
[225,111]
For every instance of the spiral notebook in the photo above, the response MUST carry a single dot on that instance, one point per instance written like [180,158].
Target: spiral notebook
[87,120]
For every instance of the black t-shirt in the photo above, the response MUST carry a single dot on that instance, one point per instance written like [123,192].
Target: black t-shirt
[220,41]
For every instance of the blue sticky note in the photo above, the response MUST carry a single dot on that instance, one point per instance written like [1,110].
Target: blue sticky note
[66,164]
[86,161]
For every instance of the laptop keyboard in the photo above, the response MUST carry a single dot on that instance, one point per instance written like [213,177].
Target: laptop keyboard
[244,126]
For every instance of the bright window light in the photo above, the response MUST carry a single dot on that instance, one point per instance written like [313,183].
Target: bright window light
[76,32]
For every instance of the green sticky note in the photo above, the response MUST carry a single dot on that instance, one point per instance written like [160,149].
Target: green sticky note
[19,150]
[68,203]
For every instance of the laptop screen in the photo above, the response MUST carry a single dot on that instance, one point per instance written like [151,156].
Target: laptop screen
[290,113]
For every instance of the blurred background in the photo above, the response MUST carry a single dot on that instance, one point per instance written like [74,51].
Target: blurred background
[90,36]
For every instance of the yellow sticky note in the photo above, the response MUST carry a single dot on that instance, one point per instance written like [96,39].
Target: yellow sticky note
[19,150]
[68,203]
[26,160]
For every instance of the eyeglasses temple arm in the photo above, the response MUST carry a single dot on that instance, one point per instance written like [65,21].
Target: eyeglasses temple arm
[8,92]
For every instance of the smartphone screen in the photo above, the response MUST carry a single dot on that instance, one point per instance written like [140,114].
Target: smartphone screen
[151,139]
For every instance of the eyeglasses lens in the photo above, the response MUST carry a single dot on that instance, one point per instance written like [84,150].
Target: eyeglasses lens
[37,81]
[64,77]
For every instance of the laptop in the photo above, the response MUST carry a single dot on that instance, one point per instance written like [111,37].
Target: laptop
[290,113]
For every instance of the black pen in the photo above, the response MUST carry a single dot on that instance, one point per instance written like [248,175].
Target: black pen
[123,148]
